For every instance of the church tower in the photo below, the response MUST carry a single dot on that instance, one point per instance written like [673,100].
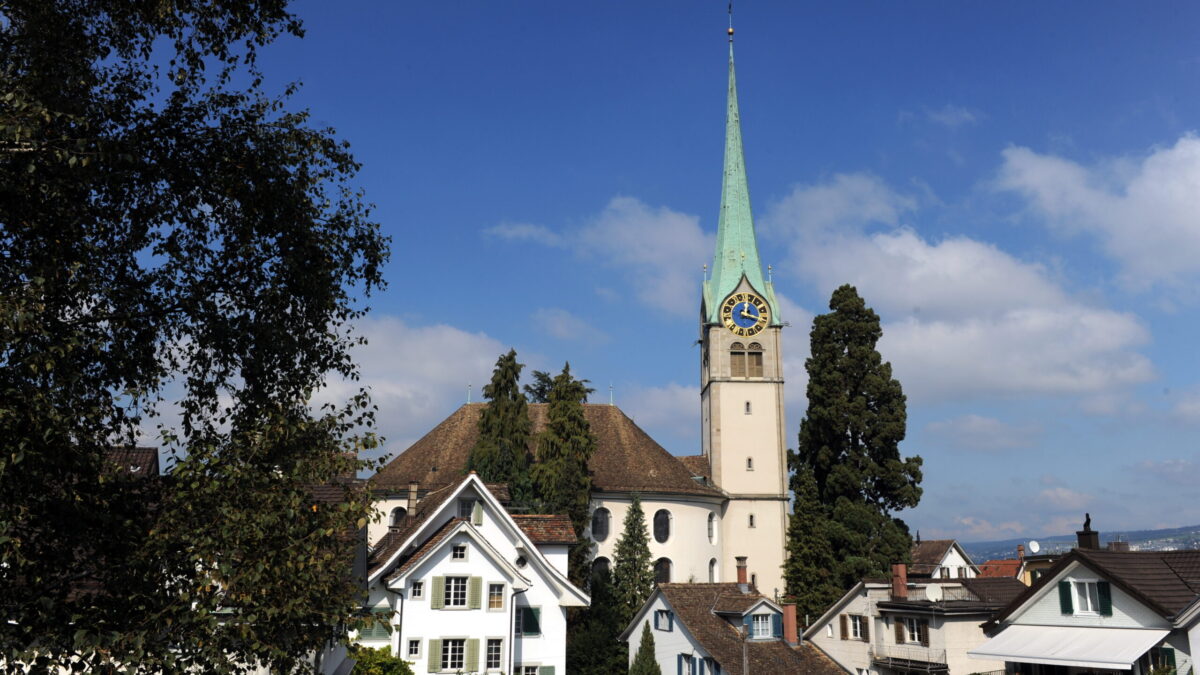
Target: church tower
[741,379]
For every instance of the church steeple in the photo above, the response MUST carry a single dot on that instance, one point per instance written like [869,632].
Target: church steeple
[737,248]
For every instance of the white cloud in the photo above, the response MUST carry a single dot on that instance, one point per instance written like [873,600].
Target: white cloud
[981,529]
[525,232]
[962,317]
[952,116]
[566,326]
[417,374]
[1062,499]
[976,432]
[1174,471]
[1145,212]
[1187,409]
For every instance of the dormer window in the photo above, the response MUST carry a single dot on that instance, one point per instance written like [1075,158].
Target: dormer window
[761,626]
[459,552]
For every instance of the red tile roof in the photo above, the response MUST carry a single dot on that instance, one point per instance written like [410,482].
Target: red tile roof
[546,529]
[993,569]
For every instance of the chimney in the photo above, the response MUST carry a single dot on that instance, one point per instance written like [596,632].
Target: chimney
[1021,552]
[1087,537]
[412,498]
[899,581]
[1122,546]
[790,634]
[743,581]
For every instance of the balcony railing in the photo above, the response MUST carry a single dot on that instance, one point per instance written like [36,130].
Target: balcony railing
[909,657]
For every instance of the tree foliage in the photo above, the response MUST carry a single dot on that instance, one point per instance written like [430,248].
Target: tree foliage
[167,235]
[643,660]
[809,569]
[594,641]
[633,572]
[848,457]
[501,455]
[560,475]
[539,390]
[369,661]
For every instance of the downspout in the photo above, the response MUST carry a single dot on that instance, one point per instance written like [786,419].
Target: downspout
[512,620]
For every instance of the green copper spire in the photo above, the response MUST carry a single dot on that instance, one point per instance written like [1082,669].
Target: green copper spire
[737,250]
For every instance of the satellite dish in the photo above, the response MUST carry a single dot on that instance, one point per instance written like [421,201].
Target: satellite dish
[1034,547]
[933,592]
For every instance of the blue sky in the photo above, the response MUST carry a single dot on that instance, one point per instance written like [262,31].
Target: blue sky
[1014,187]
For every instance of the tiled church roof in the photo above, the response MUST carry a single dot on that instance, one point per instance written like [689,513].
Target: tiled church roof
[626,458]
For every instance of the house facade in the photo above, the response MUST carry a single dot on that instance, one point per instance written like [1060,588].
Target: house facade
[902,625]
[460,585]
[941,559]
[1095,609]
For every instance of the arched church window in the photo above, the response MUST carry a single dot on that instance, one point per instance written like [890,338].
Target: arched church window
[749,463]
[751,520]
[662,525]
[398,515]
[754,360]
[737,360]
[599,566]
[748,408]
[712,528]
[600,520]
[712,571]
[662,571]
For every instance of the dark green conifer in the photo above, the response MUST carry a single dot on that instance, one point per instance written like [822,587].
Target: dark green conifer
[633,573]
[808,572]
[501,455]
[539,390]
[849,449]
[560,475]
[595,645]
[643,661]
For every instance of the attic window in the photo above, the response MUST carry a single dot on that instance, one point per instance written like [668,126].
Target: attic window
[761,627]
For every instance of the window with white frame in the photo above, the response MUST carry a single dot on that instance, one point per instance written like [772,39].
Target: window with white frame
[495,596]
[760,626]
[664,620]
[829,630]
[1087,597]
[913,631]
[459,552]
[454,653]
[466,507]
[529,670]
[858,627]
[493,653]
[455,594]
[687,665]
[417,590]
[414,648]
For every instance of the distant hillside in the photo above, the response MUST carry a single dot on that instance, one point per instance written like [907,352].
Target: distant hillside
[1176,538]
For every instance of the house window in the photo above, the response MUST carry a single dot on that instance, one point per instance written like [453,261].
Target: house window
[466,507]
[493,653]
[398,514]
[855,627]
[944,573]
[912,631]
[529,670]
[662,571]
[418,590]
[712,571]
[962,573]
[712,528]
[664,620]
[459,552]
[455,594]
[749,463]
[1087,597]
[687,665]
[453,652]
[528,621]
[761,626]
[662,525]
[829,630]
[414,647]
[599,566]
[711,666]
[737,360]
[754,360]
[600,520]
[495,596]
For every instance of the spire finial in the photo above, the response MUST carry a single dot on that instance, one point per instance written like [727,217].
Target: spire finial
[731,21]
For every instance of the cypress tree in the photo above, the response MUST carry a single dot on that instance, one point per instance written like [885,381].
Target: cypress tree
[560,476]
[501,454]
[633,573]
[849,456]
[643,661]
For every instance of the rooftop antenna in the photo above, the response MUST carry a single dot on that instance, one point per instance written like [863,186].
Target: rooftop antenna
[706,271]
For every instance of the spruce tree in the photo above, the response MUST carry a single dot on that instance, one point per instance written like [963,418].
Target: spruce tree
[808,571]
[539,390]
[595,645]
[633,573]
[501,454]
[643,661]
[560,476]
[849,450]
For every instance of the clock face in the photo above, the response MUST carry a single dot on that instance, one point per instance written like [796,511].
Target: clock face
[745,314]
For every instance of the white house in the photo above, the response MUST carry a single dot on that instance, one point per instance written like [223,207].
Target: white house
[940,559]
[902,625]
[1095,609]
[722,628]
[467,587]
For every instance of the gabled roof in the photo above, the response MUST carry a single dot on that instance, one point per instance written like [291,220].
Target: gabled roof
[441,537]
[626,458]
[546,528]
[1166,582]
[928,555]
[693,605]
[134,461]
[1000,568]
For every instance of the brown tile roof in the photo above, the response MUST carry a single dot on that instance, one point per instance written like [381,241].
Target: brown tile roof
[697,464]
[546,529]
[133,461]
[693,605]
[999,591]
[626,458]
[927,555]
[995,569]
[391,542]
[416,555]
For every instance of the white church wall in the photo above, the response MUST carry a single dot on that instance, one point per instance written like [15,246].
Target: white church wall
[688,547]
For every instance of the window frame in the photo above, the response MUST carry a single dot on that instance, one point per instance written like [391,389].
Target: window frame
[1091,591]
[712,527]
[760,627]
[668,519]
[449,592]
[416,590]
[408,650]
[490,588]
[856,624]
[456,550]
[519,621]
[487,653]
[912,630]
[607,520]
[447,657]
[470,504]
[670,567]
[664,617]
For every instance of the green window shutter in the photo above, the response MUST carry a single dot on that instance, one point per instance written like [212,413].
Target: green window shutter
[477,514]
[545,670]
[472,655]
[531,621]
[435,656]
[437,596]
[1064,597]
[475,593]
[1169,656]
[1104,590]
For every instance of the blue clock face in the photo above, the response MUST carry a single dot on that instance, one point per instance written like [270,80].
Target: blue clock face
[745,314]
